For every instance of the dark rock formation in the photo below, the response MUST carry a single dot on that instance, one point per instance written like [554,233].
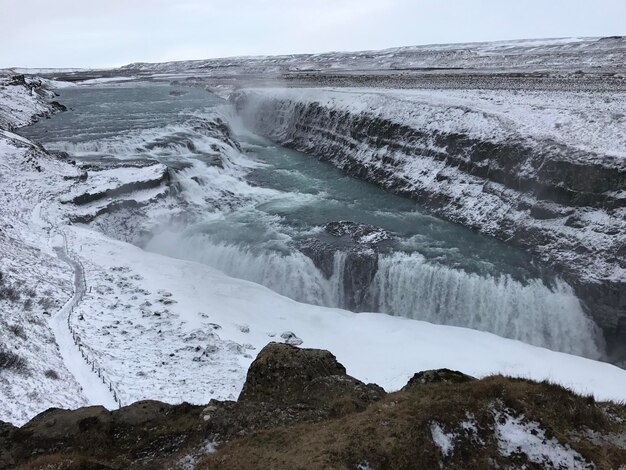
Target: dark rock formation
[322,254]
[18,80]
[361,244]
[437,376]
[362,234]
[358,273]
[285,374]
[299,409]
[89,437]
[57,107]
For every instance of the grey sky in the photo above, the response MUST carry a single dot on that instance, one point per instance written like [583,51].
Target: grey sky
[102,33]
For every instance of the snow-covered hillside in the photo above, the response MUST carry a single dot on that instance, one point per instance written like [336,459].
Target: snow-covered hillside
[522,55]
[590,127]
[34,284]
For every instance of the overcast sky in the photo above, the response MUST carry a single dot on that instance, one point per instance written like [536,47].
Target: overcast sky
[106,33]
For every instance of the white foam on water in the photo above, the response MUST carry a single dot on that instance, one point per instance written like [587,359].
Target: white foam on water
[408,285]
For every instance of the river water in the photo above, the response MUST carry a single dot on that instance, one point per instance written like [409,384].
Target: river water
[431,270]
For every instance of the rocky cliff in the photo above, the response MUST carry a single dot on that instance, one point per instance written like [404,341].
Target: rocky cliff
[543,171]
[299,409]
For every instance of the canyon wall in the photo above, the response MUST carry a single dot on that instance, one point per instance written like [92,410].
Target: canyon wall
[544,173]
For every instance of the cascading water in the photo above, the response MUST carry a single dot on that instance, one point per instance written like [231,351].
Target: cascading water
[252,209]
[530,311]
[408,285]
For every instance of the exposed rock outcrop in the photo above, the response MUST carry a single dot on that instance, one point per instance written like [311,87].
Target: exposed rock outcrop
[359,244]
[94,437]
[363,234]
[299,409]
[284,374]
[446,376]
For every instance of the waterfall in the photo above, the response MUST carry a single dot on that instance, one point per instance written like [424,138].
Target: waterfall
[289,273]
[410,286]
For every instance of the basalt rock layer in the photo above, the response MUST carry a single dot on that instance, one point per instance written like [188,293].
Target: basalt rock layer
[359,245]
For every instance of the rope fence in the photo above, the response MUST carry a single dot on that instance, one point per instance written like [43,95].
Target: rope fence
[95,367]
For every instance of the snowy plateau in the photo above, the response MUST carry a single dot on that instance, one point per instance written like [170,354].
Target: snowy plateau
[97,310]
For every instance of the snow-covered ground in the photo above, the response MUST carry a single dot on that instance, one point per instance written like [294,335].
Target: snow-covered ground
[80,366]
[537,54]
[516,436]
